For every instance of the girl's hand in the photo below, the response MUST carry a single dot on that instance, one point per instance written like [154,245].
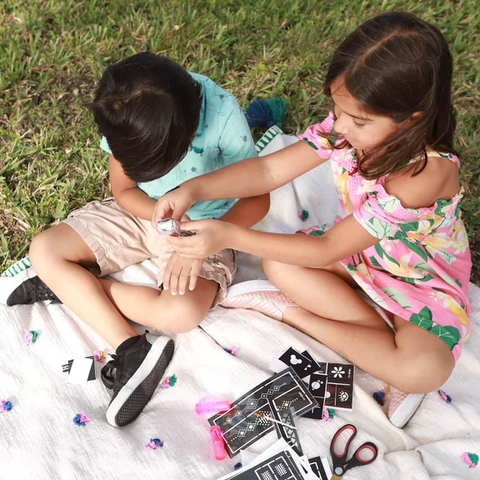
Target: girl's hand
[173,204]
[211,237]
[180,273]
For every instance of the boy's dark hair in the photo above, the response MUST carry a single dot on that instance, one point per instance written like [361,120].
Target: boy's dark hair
[396,64]
[148,108]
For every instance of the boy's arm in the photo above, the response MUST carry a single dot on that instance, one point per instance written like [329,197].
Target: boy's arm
[126,192]
[236,144]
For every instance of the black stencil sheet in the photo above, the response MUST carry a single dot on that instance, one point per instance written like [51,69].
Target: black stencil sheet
[241,427]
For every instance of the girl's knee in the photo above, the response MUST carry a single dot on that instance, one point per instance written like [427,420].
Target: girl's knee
[424,372]
[273,269]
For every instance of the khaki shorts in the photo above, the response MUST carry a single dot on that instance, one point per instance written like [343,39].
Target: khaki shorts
[119,239]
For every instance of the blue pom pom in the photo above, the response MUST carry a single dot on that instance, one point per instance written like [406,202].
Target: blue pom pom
[237,466]
[157,442]
[379,397]
[258,113]
[6,405]
[77,420]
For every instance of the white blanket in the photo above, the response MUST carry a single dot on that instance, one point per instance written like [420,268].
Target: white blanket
[38,439]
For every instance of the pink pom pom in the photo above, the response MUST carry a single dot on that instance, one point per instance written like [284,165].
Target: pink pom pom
[153,444]
[326,415]
[444,396]
[165,383]
[84,418]
[471,459]
[99,356]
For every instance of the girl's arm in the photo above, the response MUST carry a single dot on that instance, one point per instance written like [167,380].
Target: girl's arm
[345,239]
[248,178]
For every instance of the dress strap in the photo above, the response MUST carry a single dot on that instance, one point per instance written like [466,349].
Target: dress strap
[433,153]
[448,156]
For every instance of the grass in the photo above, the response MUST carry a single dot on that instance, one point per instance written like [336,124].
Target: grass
[53,52]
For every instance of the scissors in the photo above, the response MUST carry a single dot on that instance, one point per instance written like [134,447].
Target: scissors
[364,455]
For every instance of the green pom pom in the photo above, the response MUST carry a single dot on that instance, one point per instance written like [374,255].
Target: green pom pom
[173,380]
[473,457]
[331,412]
[303,214]
[278,108]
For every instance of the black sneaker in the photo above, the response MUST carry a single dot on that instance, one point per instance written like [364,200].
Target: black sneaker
[24,288]
[134,374]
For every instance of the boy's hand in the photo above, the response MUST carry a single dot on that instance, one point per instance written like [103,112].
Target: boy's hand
[181,273]
[173,204]
[211,237]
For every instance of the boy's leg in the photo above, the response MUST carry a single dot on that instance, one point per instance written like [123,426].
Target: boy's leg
[58,256]
[162,311]
[411,359]
[104,236]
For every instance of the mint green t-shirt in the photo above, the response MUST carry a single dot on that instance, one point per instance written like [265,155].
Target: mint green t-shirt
[223,137]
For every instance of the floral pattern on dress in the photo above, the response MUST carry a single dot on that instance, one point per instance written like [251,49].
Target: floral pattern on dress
[420,269]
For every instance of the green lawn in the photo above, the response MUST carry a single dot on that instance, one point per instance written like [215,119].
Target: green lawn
[53,52]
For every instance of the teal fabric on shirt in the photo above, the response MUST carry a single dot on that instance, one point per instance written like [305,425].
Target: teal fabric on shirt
[223,137]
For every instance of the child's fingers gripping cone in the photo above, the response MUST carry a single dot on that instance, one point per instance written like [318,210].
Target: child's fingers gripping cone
[173,204]
[210,237]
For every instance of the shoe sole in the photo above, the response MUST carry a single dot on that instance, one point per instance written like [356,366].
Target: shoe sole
[402,415]
[9,284]
[134,396]
[249,287]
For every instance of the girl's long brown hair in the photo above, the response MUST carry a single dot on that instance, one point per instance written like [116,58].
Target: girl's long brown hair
[396,64]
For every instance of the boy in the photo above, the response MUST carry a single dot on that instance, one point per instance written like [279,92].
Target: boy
[161,126]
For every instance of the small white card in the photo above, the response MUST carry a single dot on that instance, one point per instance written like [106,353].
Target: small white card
[80,371]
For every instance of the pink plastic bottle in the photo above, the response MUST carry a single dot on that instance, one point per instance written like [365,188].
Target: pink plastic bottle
[217,442]
[212,407]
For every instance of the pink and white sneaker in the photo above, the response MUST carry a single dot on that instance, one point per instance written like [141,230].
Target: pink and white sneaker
[258,295]
[403,406]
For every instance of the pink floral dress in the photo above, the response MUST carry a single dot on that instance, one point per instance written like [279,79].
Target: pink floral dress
[420,269]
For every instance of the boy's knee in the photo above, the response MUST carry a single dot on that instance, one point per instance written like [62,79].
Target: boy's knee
[40,249]
[176,318]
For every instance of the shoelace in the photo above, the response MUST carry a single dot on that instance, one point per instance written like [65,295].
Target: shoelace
[108,373]
[38,290]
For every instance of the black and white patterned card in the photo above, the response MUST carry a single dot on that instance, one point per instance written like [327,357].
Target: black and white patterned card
[80,370]
[320,468]
[331,384]
[290,435]
[319,367]
[278,467]
[243,424]
[300,364]
[339,392]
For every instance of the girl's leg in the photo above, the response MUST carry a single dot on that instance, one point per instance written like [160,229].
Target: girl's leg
[411,359]
[58,256]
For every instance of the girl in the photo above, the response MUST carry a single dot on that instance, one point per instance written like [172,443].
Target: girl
[401,241]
